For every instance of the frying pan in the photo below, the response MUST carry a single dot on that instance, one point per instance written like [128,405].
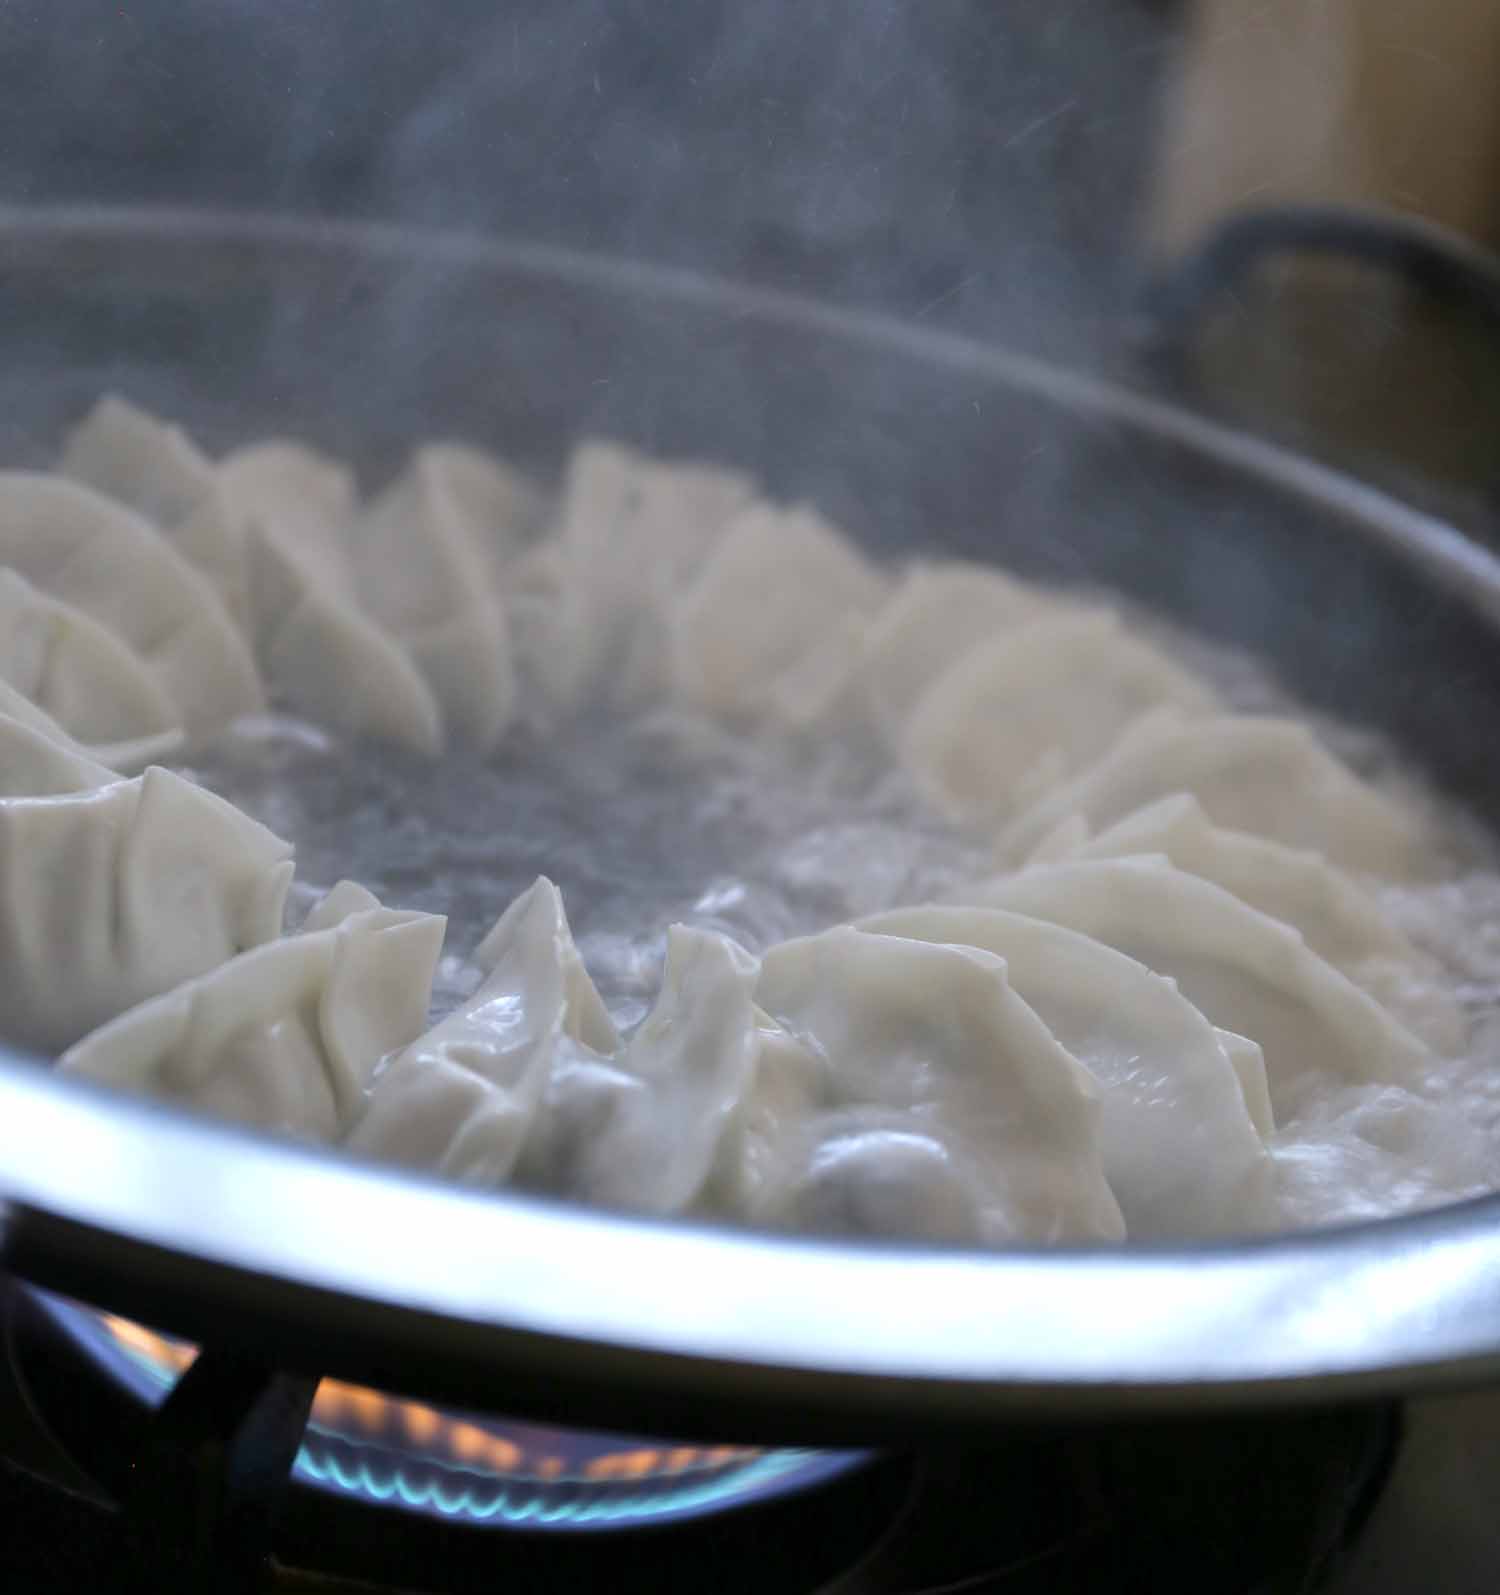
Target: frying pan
[362,338]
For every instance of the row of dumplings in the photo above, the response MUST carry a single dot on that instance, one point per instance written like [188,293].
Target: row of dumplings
[1178,954]
[1100,1042]
[1065,1053]
[148,593]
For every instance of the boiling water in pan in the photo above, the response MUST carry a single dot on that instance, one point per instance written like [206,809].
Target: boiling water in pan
[648,819]
[1304,960]
[641,820]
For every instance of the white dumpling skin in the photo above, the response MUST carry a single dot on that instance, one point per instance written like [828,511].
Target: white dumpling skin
[1181,1149]
[79,672]
[96,764]
[1340,921]
[1015,715]
[311,496]
[327,659]
[1269,777]
[34,764]
[787,1085]
[111,896]
[690,1065]
[461,1099]
[283,1037]
[501,509]
[777,583]
[420,574]
[633,531]
[127,454]
[117,568]
[1247,972]
[869,1172]
[936,615]
[935,1033]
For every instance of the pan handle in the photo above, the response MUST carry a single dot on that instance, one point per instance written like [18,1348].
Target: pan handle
[1434,259]
[1446,463]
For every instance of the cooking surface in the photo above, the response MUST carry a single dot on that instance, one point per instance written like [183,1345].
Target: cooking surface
[1435,1534]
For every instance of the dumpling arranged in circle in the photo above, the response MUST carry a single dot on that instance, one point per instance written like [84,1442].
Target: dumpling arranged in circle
[1202,999]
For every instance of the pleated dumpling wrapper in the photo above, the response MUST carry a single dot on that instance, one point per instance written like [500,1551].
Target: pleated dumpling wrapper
[321,653]
[309,496]
[117,568]
[37,759]
[501,508]
[462,1099]
[644,1133]
[634,532]
[324,656]
[1013,717]
[79,672]
[421,573]
[934,1040]
[939,613]
[1242,969]
[145,463]
[788,1086]
[1270,777]
[284,1037]
[115,894]
[1181,1150]
[779,581]
[1337,917]
[155,468]
[106,760]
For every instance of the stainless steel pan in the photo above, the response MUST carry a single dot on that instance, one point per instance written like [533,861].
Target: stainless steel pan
[363,337]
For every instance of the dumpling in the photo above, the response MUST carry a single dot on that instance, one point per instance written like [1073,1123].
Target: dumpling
[630,532]
[462,1099]
[420,574]
[147,464]
[283,1037]
[81,675]
[630,523]
[1180,1148]
[155,468]
[500,509]
[113,894]
[326,658]
[547,619]
[876,1172]
[1065,839]
[936,1035]
[685,1070]
[1249,1065]
[36,764]
[1247,972]
[787,1085]
[1014,716]
[311,497]
[1338,919]
[823,691]
[1267,776]
[341,900]
[938,614]
[777,584]
[118,569]
[119,757]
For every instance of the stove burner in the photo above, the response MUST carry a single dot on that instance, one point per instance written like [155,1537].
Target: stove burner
[1241,1504]
[410,1456]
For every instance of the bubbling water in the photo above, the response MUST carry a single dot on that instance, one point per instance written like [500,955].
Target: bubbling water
[653,818]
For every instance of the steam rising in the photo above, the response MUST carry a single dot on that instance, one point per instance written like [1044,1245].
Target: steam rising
[973,164]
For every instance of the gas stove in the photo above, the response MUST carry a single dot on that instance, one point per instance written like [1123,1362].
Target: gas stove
[134,1463]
